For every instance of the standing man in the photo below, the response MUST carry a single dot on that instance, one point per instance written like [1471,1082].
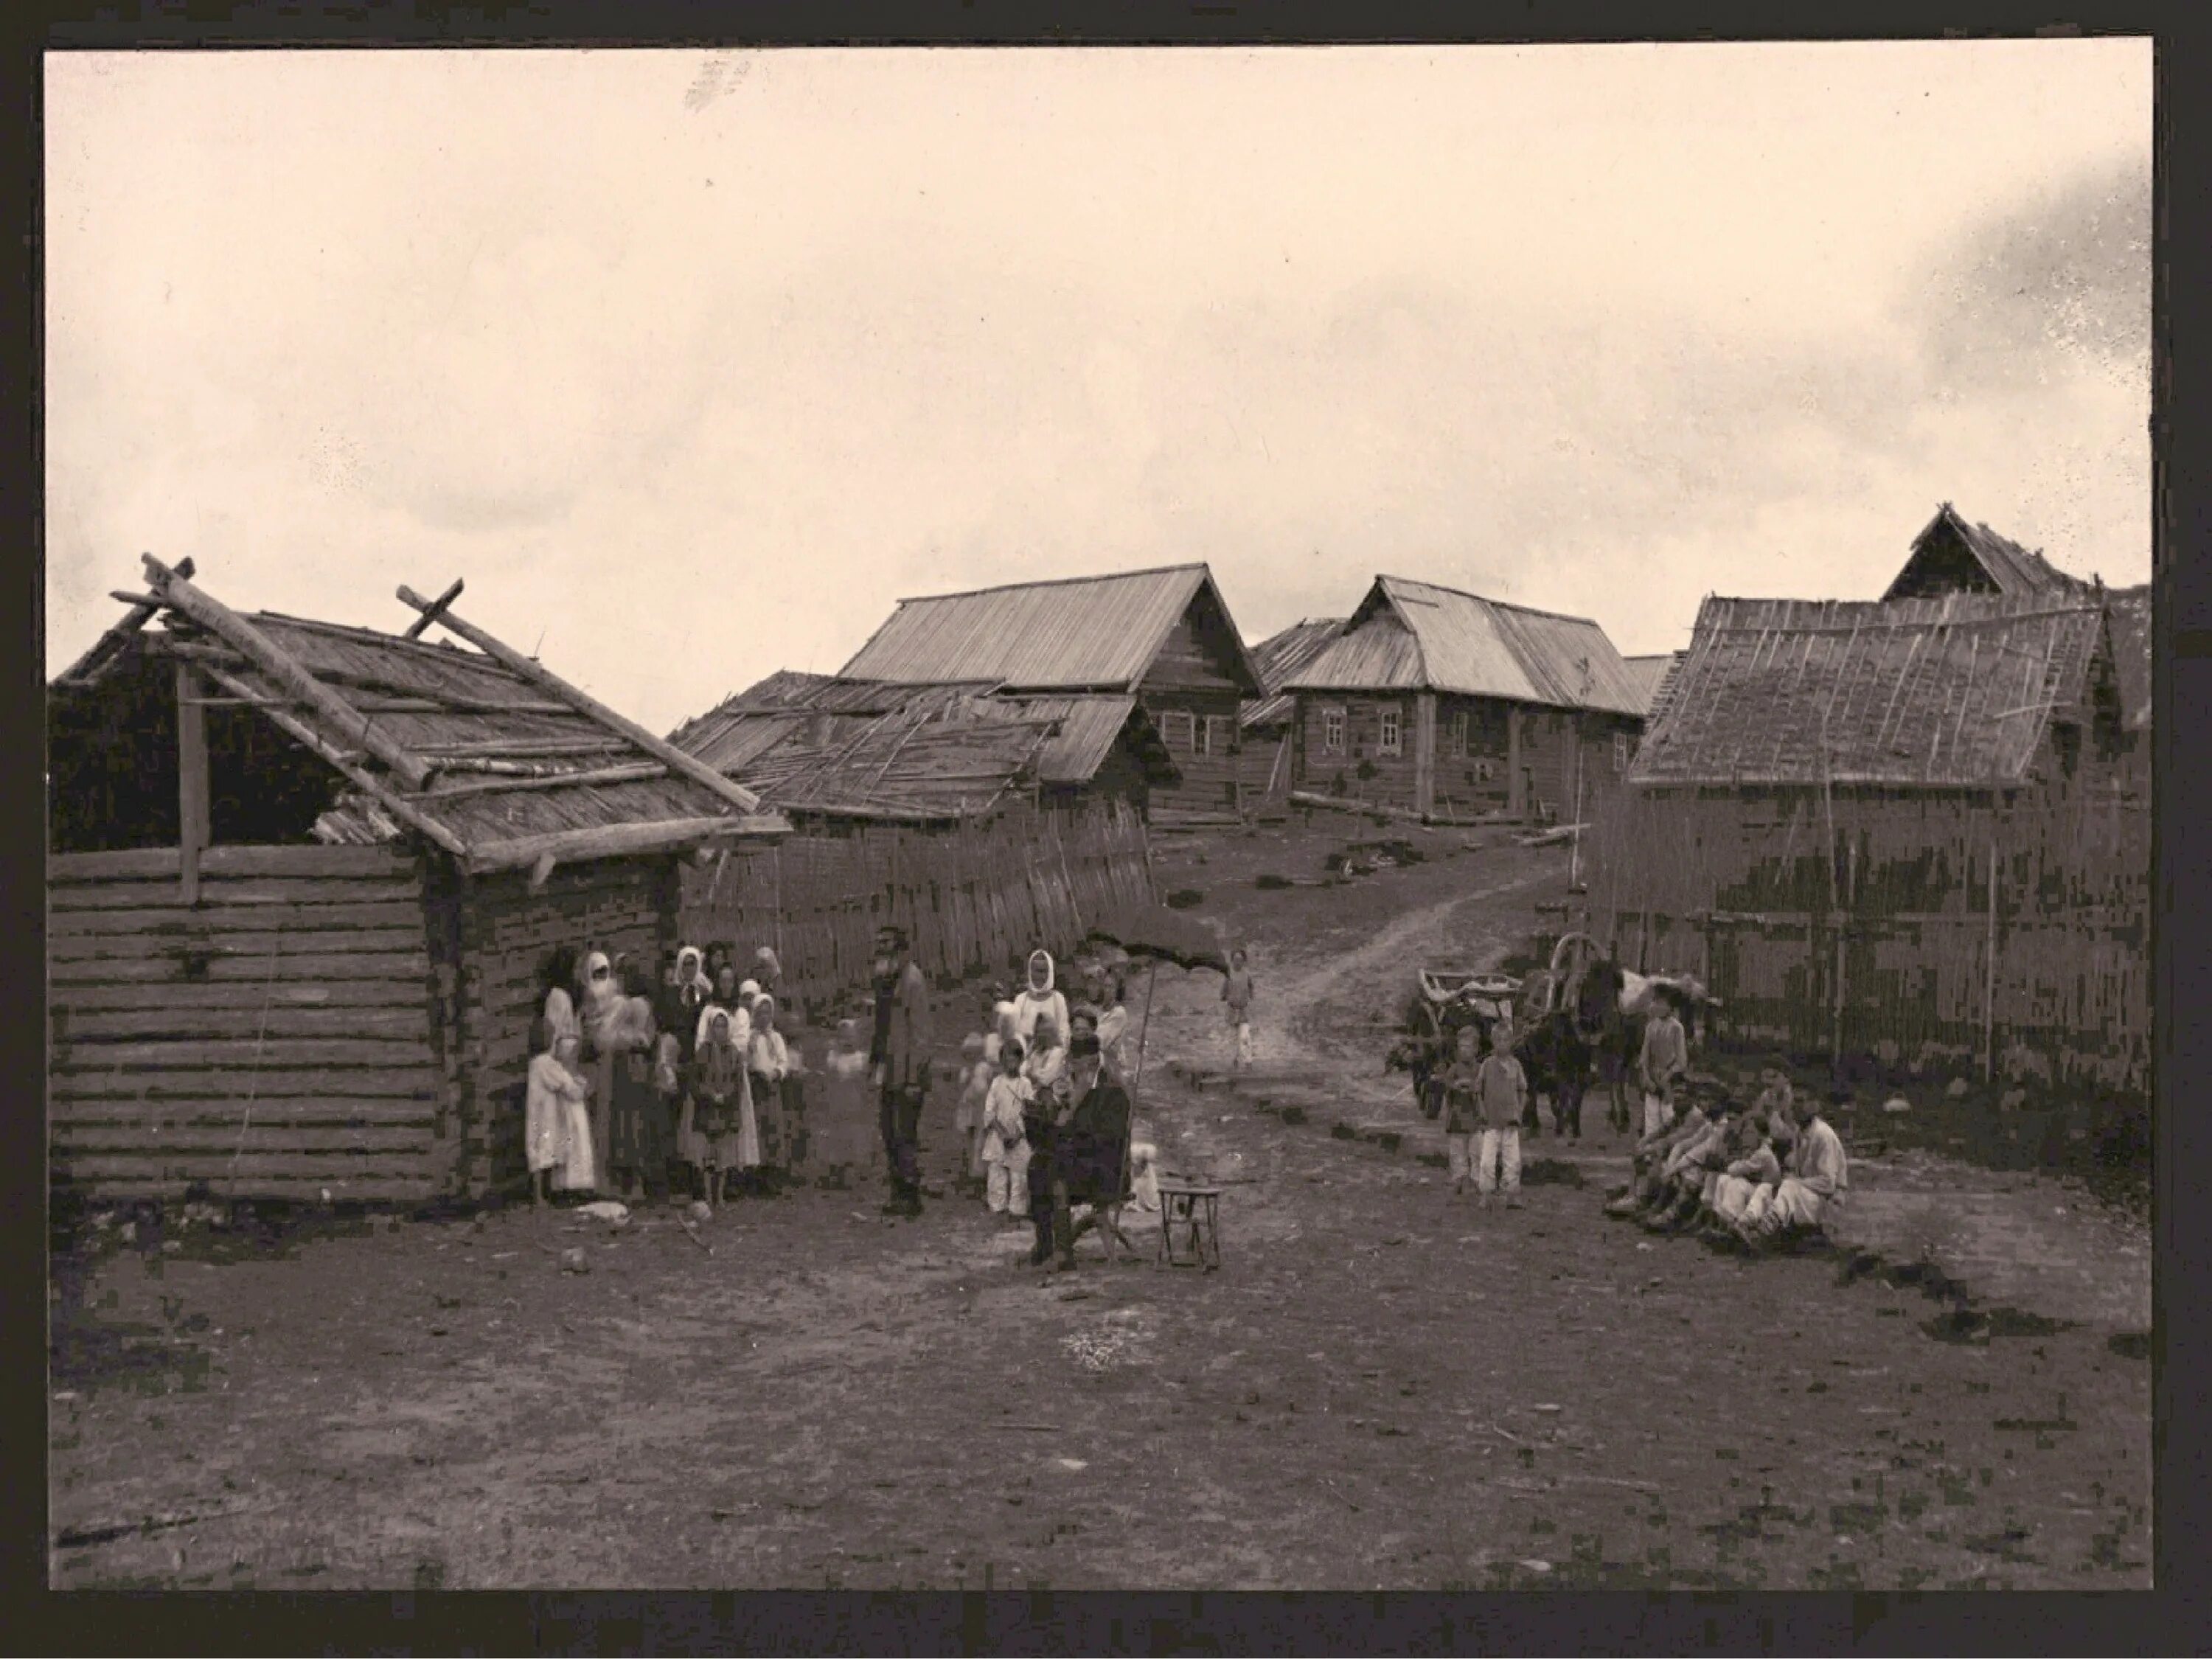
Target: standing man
[1236,997]
[899,1061]
[1659,1065]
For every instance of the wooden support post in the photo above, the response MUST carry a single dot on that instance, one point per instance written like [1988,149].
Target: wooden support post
[1989,979]
[268,657]
[437,609]
[1425,752]
[1517,792]
[192,781]
[675,759]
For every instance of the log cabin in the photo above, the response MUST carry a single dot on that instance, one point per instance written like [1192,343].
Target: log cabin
[1270,723]
[301,883]
[1160,642]
[1448,706]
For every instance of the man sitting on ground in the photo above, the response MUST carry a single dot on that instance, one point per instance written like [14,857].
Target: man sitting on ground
[1818,1175]
[1688,1170]
[1649,1161]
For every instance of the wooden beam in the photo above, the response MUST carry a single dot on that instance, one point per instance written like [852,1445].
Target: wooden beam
[343,763]
[270,658]
[660,748]
[618,840]
[1517,794]
[640,772]
[87,669]
[437,610]
[192,811]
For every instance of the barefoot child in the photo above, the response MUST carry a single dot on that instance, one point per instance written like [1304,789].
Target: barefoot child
[1005,1148]
[718,1085]
[844,1137]
[1458,1084]
[977,1073]
[1236,998]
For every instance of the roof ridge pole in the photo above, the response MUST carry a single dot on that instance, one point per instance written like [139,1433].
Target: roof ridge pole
[660,748]
[219,619]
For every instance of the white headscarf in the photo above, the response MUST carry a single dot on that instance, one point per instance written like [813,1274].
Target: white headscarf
[696,979]
[602,1000]
[741,1025]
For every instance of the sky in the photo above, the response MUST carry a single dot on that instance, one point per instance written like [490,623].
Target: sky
[692,364]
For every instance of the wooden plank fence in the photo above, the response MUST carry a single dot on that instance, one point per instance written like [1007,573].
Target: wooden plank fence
[1985,935]
[978,898]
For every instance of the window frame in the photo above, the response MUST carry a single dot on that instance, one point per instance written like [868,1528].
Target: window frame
[1169,720]
[1334,728]
[1623,751]
[1391,736]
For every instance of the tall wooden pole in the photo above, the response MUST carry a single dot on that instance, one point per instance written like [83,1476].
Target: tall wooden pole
[192,780]
[1990,979]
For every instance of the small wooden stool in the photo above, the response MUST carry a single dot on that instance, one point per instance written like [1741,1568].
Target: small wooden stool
[1195,1208]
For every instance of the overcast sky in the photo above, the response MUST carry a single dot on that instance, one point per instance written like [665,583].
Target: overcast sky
[693,363]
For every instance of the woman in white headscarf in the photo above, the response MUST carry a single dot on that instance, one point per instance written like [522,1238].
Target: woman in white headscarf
[1039,1000]
[599,1006]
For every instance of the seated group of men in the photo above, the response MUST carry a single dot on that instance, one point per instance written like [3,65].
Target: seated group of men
[1756,1176]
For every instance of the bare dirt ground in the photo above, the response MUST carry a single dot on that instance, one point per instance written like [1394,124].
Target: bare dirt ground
[1382,1387]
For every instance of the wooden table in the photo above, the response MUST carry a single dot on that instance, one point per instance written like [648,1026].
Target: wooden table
[1193,1208]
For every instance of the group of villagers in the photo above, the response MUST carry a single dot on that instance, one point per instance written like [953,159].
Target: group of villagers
[1044,1106]
[1754,1176]
[683,1087]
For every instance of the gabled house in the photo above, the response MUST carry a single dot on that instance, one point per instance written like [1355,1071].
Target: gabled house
[1160,642]
[1445,704]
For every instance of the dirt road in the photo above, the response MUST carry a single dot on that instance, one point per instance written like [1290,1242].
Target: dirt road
[1383,1388]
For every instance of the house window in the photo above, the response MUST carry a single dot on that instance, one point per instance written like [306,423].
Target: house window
[1459,734]
[1331,730]
[1390,744]
[1176,728]
[1620,751]
[1214,738]
[1201,733]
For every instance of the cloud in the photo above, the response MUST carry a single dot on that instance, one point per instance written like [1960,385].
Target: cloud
[2054,285]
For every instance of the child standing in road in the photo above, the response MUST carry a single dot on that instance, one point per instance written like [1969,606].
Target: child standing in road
[1005,1147]
[1457,1086]
[977,1073]
[1501,1093]
[1236,998]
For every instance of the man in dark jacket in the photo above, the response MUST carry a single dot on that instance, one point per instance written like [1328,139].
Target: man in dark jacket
[899,1062]
[1084,1140]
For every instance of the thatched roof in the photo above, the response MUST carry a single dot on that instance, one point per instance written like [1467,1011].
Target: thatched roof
[1956,692]
[500,762]
[1951,555]
[823,744]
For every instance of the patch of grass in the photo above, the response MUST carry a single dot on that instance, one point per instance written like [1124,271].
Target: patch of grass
[1268,882]
[1439,1161]
[1294,1114]
[1342,1132]
[2129,1345]
[1185,898]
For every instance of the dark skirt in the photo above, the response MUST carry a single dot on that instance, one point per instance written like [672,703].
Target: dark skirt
[637,1119]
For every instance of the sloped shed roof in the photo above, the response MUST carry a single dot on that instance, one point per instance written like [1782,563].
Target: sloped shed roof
[826,744]
[1954,692]
[1651,673]
[446,742]
[1280,657]
[1412,635]
[1080,633]
[2006,565]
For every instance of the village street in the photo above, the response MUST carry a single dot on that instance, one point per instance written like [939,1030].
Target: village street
[1381,1388]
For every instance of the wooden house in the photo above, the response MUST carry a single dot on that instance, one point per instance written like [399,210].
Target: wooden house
[302,881]
[1440,703]
[1160,642]
[1650,674]
[1269,723]
[1911,834]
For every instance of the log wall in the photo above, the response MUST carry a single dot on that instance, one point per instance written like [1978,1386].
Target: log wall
[503,932]
[1896,962]
[982,897]
[274,1040]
